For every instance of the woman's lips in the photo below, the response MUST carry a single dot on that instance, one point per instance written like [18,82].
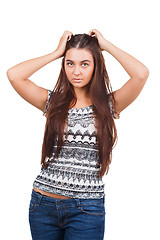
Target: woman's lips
[77,80]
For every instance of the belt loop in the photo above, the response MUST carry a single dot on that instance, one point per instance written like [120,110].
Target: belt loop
[78,203]
[39,198]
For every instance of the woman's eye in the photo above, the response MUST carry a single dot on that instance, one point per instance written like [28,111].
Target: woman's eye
[85,63]
[69,63]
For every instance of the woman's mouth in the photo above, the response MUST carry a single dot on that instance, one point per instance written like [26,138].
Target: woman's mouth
[77,80]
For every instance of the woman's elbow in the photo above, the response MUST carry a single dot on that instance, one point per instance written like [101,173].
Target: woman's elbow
[145,74]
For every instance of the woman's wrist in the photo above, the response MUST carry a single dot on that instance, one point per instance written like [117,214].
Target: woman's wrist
[107,45]
[55,55]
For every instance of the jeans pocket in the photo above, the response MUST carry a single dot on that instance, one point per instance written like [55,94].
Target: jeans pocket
[32,205]
[93,209]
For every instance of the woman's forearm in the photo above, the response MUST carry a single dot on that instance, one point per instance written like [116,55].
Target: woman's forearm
[25,69]
[132,66]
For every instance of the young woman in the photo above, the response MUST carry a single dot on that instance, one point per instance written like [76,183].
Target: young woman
[68,198]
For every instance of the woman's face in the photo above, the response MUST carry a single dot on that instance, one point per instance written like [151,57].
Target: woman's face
[79,64]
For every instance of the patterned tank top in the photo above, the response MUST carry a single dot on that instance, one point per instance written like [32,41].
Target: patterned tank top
[74,172]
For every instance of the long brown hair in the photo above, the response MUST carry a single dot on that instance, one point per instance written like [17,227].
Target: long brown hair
[63,98]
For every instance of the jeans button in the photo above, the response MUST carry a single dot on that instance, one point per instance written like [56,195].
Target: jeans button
[58,203]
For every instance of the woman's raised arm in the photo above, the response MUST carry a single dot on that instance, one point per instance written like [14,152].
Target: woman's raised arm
[18,75]
[136,70]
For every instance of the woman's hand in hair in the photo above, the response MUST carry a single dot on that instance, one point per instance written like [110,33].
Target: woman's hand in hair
[99,36]
[62,43]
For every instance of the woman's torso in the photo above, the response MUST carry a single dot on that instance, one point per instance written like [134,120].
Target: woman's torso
[51,194]
[81,179]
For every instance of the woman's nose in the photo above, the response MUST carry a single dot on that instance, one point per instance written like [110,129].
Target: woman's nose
[76,70]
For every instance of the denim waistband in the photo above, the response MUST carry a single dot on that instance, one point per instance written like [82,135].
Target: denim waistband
[38,197]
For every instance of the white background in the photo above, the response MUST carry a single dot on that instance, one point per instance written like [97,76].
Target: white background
[30,29]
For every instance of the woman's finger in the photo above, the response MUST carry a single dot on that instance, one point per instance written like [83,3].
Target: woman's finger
[92,32]
[69,36]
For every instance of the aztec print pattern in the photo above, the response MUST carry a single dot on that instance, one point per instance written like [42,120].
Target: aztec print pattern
[74,173]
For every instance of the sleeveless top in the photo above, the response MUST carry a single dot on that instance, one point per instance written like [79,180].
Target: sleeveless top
[74,172]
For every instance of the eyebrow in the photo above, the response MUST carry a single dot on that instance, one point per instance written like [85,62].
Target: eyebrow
[81,61]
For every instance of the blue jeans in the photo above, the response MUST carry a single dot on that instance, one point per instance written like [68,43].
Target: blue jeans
[66,219]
